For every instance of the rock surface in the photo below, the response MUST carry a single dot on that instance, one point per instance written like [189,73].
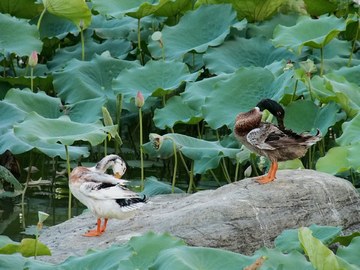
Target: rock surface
[240,217]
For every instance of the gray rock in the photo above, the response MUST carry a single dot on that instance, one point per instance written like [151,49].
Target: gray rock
[240,217]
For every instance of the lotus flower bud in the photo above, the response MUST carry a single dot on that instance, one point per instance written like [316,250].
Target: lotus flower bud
[156,140]
[82,24]
[42,216]
[33,59]
[139,100]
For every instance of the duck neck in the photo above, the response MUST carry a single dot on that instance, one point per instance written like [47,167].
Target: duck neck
[274,108]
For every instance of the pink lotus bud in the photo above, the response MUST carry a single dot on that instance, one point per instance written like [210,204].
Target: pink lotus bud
[139,100]
[33,59]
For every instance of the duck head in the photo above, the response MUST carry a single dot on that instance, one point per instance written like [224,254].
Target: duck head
[274,108]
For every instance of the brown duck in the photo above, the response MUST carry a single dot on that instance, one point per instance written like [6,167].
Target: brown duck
[269,140]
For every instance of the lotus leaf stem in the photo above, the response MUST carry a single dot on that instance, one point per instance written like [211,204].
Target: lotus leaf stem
[25,188]
[139,44]
[237,171]
[216,179]
[37,238]
[199,131]
[41,16]
[32,79]
[68,168]
[82,44]
[141,152]
[224,169]
[295,88]
[175,165]
[322,62]
[354,44]
[191,177]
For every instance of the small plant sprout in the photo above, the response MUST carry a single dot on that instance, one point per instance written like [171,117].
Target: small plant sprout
[156,36]
[33,60]
[139,102]
[42,217]
[156,141]
[82,26]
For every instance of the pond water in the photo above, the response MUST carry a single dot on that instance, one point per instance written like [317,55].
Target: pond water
[49,193]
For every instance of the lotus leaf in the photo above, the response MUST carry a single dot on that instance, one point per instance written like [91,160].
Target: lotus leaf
[213,25]
[288,240]
[19,145]
[319,255]
[175,111]
[241,52]
[117,47]
[21,8]
[336,88]
[26,248]
[309,32]
[252,10]
[345,240]
[334,49]
[350,74]
[35,128]
[350,253]
[173,7]
[239,93]
[266,28]
[154,187]
[320,7]
[72,10]
[15,33]
[156,78]
[304,115]
[196,92]
[93,79]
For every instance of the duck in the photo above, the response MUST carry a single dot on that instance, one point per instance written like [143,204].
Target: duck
[106,196]
[272,141]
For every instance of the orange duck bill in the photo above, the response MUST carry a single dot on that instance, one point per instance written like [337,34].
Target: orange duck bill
[270,176]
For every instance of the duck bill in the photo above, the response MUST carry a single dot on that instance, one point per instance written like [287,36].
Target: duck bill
[117,175]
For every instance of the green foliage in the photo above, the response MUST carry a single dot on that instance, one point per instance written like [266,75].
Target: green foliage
[26,247]
[162,251]
[6,175]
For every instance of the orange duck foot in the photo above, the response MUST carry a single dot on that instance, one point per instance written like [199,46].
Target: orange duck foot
[98,231]
[270,176]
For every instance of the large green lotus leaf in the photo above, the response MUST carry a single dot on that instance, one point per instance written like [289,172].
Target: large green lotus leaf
[117,47]
[335,48]
[26,248]
[40,102]
[350,253]
[319,255]
[7,176]
[240,93]
[304,115]
[196,92]
[173,7]
[26,9]
[335,63]
[175,111]
[206,154]
[54,26]
[99,259]
[336,88]
[288,240]
[315,33]
[62,130]
[350,74]
[92,79]
[156,78]
[43,83]
[213,25]
[72,10]
[320,7]
[154,187]
[241,52]
[14,35]
[345,240]
[146,249]
[200,258]
[19,145]
[266,28]
[136,8]
[9,114]
[252,10]
[339,159]
[351,131]
[92,107]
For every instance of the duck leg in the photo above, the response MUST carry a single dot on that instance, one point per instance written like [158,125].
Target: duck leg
[96,232]
[270,176]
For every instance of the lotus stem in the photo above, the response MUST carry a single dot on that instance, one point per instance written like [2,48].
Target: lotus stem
[295,88]
[37,238]
[141,152]
[237,171]
[216,179]
[119,101]
[68,167]
[175,165]
[25,188]
[139,44]
[352,177]
[354,44]
[224,169]
[82,44]
[322,61]
[32,79]
[163,50]
[199,131]
[41,16]
[191,177]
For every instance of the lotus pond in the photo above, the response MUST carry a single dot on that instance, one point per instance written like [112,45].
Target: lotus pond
[81,79]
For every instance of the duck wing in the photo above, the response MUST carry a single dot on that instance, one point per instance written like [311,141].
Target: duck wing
[106,191]
[262,136]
